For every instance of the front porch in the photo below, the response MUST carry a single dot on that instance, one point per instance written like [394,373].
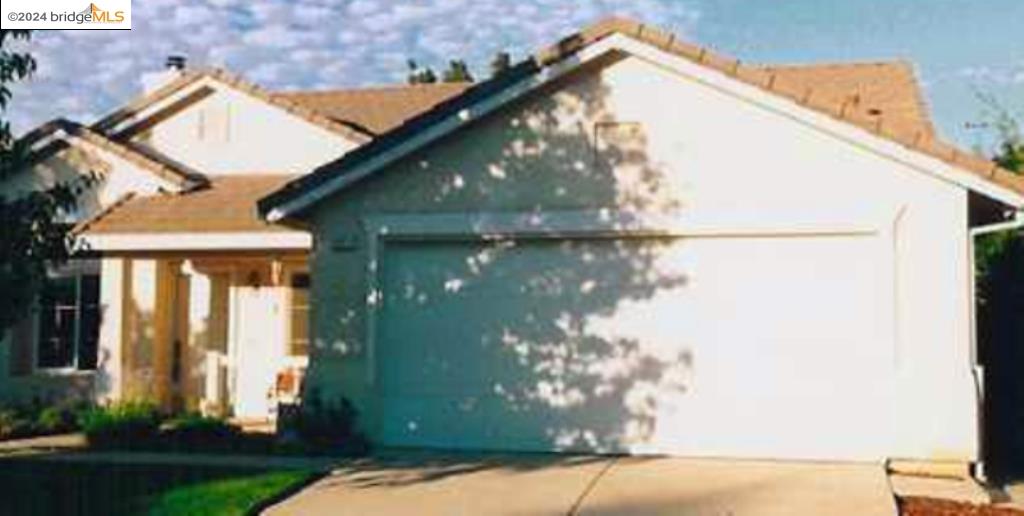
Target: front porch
[220,333]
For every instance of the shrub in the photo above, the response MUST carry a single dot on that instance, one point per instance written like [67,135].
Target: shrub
[195,432]
[14,425]
[123,425]
[329,427]
[62,417]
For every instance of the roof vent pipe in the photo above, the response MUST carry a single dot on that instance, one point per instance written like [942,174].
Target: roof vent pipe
[175,62]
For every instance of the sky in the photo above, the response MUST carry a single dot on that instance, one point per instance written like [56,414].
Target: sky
[960,48]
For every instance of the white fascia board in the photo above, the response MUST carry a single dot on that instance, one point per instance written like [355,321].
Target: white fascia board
[155,107]
[134,242]
[845,131]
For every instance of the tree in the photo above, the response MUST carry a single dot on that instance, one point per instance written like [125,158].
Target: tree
[32,237]
[500,64]
[1009,154]
[458,71]
[419,75]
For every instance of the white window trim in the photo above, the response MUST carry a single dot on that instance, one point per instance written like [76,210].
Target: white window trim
[290,359]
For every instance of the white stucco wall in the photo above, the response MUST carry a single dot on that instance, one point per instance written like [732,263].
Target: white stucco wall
[230,132]
[704,157]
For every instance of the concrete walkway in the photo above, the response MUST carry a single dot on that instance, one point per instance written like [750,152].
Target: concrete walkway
[45,444]
[424,483]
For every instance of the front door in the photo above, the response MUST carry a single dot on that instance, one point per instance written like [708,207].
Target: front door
[256,350]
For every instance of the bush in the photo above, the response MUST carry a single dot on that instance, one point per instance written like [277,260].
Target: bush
[195,432]
[329,427]
[123,425]
[40,418]
[62,417]
[14,425]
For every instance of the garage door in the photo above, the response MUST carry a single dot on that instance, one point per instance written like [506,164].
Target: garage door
[697,346]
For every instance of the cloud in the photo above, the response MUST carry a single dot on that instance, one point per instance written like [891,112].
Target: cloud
[1003,74]
[301,43]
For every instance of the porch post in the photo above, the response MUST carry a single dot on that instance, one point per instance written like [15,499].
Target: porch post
[110,363]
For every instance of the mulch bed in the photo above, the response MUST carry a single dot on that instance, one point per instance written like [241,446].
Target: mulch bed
[914,506]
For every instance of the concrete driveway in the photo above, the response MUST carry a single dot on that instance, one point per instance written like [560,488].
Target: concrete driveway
[425,483]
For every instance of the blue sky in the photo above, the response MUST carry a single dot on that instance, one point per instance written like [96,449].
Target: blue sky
[958,46]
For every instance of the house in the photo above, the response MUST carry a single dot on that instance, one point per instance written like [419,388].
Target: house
[180,292]
[630,244]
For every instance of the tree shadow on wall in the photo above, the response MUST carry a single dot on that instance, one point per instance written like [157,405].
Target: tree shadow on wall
[549,341]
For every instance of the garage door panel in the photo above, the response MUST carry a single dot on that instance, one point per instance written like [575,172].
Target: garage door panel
[627,344]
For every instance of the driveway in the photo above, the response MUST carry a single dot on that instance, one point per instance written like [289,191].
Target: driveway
[425,483]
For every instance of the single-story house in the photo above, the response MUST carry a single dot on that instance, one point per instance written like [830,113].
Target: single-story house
[625,243]
[630,244]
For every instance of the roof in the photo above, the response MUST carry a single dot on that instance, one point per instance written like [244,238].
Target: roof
[126,150]
[886,89]
[227,204]
[375,110]
[899,115]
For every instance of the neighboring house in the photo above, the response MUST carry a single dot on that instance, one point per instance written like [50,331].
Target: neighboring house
[630,244]
[181,293]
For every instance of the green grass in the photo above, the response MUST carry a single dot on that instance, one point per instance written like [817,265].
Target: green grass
[232,496]
[38,487]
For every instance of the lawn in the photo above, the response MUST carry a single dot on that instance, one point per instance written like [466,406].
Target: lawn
[65,488]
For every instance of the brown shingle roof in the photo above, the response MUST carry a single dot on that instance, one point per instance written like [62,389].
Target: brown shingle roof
[228,204]
[375,110]
[882,90]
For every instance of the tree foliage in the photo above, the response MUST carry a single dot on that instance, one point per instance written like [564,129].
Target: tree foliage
[32,237]
[457,71]
[500,64]
[418,75]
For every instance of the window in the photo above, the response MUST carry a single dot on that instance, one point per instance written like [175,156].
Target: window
[69,323]
[215,124]
[220,284]
[298,312]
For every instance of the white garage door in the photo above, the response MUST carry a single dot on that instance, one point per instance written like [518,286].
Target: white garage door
[703,346]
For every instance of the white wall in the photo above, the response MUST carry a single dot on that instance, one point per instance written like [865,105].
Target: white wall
[230,132]
[701,154]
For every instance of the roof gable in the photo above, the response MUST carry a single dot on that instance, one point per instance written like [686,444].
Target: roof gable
[60,134]
[150,108]
[905,134]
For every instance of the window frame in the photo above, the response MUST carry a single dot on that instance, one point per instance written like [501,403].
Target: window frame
[37,334]
[296,359]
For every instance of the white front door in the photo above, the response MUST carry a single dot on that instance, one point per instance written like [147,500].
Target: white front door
[257,349]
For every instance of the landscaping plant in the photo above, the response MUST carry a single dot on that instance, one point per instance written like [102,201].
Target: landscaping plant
[122,425]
